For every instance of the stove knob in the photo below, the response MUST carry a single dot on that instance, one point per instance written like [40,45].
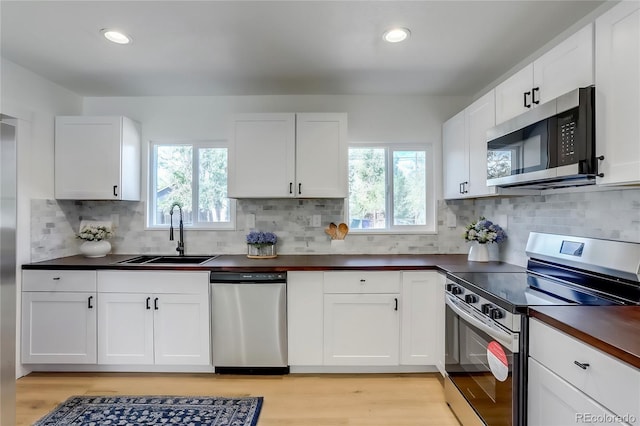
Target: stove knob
[450,287]
[496,313]
[471,298]
[457,290]
[486,308]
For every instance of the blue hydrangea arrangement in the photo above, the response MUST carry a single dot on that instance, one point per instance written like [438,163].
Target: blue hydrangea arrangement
[259,238]
[484,231]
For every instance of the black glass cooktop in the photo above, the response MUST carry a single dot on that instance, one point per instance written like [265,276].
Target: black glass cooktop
[514,290]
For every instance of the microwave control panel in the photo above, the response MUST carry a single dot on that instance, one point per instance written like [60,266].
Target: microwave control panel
[567,130]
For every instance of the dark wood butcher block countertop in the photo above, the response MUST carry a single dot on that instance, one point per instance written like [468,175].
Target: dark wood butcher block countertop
[612,329]
[320,262]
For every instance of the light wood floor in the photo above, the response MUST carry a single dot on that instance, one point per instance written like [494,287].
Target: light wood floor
[300,400]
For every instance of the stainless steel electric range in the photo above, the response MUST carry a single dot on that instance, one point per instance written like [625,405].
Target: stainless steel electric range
[487,326]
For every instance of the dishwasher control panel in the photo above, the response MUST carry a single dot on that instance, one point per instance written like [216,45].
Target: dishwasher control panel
[248,277]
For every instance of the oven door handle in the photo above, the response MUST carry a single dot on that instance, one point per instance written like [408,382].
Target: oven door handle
[506,339]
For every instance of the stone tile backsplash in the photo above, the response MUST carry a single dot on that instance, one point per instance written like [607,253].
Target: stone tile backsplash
[611,214]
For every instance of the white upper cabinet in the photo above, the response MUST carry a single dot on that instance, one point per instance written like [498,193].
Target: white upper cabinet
[465,150]
[97,158]
[567,66]
[618,94]
[480,116]
[288,155]
[321,155]
[262,155]
[455,157]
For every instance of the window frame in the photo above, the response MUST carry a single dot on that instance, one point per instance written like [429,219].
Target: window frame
[430,187]
[152,175]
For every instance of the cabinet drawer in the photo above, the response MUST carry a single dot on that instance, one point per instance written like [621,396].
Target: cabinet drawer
[362,282]
[59,280]
[613,383]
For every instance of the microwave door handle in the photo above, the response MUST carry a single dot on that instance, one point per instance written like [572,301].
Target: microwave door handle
[506,339]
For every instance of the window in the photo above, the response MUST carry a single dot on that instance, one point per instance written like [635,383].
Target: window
[193,174]
[391,188]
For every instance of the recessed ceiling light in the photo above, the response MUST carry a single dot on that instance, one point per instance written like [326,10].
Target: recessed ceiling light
[115,36]
[396,35]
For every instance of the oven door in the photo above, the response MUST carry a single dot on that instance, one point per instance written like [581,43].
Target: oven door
[482,362]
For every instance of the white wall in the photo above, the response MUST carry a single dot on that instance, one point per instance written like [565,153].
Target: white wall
[34,101]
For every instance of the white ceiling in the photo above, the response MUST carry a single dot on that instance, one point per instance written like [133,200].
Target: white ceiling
[279,47]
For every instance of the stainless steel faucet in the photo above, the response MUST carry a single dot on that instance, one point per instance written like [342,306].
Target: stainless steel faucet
[180,248]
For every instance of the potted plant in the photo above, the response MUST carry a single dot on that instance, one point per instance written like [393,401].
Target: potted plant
[480,233]
[95,240]
[261,245]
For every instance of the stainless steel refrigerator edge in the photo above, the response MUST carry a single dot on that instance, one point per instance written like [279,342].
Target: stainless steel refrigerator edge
[7,273]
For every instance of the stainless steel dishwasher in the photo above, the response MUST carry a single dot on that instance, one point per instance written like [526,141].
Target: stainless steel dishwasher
[249,322]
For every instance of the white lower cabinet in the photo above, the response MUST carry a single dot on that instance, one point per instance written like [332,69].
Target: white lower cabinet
[570,382]
[420,311]
[361,329]
[157,318]
[366,319]
[554,402]
[304,318]
[58,317]
[58,328]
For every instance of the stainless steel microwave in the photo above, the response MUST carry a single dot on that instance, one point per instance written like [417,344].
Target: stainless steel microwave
[551,146]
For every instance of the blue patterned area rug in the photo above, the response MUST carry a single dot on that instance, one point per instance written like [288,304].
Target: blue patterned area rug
[154,410]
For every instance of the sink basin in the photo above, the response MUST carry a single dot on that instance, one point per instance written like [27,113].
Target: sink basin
[167,260]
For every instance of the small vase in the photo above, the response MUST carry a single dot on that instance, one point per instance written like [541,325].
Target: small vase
[261,251]
[95,248]
[478,252]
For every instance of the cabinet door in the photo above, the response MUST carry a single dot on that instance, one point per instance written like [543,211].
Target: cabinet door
[262,156]
[480,116]
[304,318]
[125,324]
[87,157]
[618,94]
[554,402]
[181,329]
[58,328]
[420,308]
[361,329]
[455,157]
[321,155]
[566,67]
[510,94]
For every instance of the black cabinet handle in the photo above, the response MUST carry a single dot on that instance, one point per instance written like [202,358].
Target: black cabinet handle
[290,187]
[115,190]
[362,280]
[581,365]
[56,278]
[526,104]
[533,95]
[148,300]
[155,304]
[89,305]
[396,308]
[299,189]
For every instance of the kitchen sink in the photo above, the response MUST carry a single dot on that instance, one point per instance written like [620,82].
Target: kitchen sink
[167,260]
